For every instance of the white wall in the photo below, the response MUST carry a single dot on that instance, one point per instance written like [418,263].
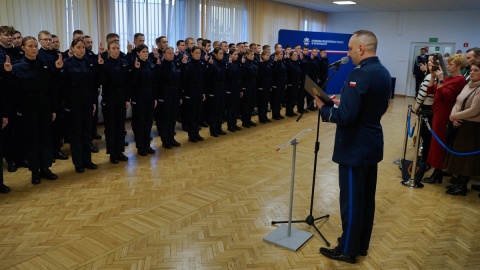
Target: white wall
[397,30]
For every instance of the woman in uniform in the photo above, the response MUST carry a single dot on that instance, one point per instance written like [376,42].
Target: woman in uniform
[250,73]
[279,73]
[169,97]
[233,92]
[80,103]
[193,74]
[144,99]
[113,76]
[264,86]
[216,76]
[34,81]
[293,83]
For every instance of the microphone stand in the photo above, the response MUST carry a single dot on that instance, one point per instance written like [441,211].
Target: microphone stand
[310,220]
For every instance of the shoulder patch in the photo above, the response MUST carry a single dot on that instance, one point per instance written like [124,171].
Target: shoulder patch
[352,84]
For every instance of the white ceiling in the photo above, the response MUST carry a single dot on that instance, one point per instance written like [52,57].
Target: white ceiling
[327,6]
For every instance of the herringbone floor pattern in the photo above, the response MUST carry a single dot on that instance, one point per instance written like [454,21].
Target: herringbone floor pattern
[209,205]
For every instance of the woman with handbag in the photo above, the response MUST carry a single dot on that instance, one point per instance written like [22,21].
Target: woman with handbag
[446,91]
[465,117]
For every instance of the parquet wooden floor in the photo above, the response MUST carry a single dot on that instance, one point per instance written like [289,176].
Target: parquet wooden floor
[208,206]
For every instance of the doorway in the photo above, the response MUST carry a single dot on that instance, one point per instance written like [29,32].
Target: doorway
[441,48]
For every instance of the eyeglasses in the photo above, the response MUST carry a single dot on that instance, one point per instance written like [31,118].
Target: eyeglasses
[46,39]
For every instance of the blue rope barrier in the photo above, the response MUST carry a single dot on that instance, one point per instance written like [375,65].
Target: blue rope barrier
[410,134]
[445,147]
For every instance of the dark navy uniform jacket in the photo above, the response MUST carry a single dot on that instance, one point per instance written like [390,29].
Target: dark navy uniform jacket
[364,99]
[193,76]
[114,77]
[144,79]
[169,74]
[79,76]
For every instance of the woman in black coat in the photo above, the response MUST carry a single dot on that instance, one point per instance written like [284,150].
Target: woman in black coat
[34,81]
[193,76]
[279,73]
[233,91]
[293,83]
[249,73]
[264,86]
[216,79]
[144,99]
[114,75]
[169,97]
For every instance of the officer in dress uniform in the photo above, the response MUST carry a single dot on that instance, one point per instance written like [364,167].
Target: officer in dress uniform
[233,92]
[4,122]
[216,80]
[293,82]
[250,73]
[34,82]
[114,77]
[80,83]
[264,86]
[13,135]
[279,75]
[169,92]
[305,68]
[358,144]
[144,99]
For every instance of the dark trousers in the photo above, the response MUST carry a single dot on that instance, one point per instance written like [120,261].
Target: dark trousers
[357,207]
[80,114]
[216,108]
[37,122]
[291,98]
[232,103]
[262,103]
[301,97]
[142,119]
[193,114]
[114,110]
[95,121]
[58,129]
[246,105]
[13,139]
[276,100]
[167,111]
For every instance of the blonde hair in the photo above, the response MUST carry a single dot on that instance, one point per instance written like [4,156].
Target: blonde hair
[458,60]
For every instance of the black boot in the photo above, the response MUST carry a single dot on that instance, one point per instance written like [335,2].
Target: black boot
[36,179]
[461,188]
[437,176]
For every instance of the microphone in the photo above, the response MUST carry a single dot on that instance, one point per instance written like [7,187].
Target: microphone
[340,62]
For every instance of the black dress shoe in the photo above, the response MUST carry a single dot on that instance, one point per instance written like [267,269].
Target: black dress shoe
[262,121]
[213,134]
[276,117]
[204,124]
[166,146]
[200,138]
[282,117]
[91,166]
[246,125]
[335,254]
[93,149]
[79,169]
[222,132]
[237,128]
[174,143]
[125,143]
[268,120]
[253,124]
[122,157]
[36,179]
[291,114]
[231,129]
[362,252]
[142,152]
[4,189]
[150,150]
[194,140]
[60,155]
[312,109]
[97,136]
[12,167]
[114,159]
[47,174]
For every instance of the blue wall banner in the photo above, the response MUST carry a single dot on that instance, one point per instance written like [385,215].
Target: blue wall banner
[336,45]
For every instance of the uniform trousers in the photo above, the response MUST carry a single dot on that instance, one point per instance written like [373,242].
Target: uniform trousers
[301,96]
[167,110]
[291,98]
[142,118]
[1,153]
[193,114]
[13,139]
[232,103]
[276,100]
[114,114]
[216,109]
[58,128]
[80,108]
[357,207]
[37,123]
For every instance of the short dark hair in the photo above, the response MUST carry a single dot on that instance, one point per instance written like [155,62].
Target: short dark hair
[112,35]
[138,35]
[180,41]
[205,42]
[77,32]
[87,36]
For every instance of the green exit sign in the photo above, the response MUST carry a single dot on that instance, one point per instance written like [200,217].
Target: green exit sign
[433,39]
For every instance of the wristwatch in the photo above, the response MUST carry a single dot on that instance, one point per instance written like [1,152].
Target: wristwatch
[441,81]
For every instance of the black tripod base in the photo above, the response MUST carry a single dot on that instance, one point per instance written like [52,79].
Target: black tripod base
[310,220]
